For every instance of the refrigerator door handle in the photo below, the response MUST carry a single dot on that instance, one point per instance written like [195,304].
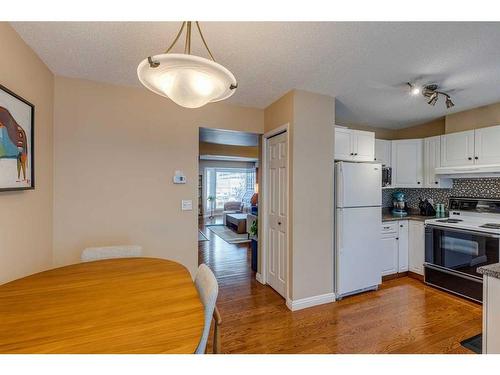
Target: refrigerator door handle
[340,186]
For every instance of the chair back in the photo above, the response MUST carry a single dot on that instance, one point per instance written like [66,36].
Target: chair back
[207,287]
[233,206]
[91,254]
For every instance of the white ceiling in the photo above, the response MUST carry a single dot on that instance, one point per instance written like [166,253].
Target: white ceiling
[362,64]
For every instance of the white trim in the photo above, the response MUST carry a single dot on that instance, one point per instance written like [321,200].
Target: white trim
[258,277]
[263,205]
[304,303]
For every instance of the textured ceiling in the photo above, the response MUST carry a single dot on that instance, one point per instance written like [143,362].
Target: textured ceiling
[362,64]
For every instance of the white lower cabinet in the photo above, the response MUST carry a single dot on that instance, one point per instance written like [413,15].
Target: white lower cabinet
[491,315]
[394,249]
[416,247]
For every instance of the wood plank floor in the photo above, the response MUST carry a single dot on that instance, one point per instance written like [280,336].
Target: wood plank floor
[403,316]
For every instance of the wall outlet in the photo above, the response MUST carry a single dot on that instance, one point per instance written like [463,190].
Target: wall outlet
[187,205]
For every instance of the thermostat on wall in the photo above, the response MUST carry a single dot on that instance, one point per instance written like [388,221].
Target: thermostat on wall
[179,178]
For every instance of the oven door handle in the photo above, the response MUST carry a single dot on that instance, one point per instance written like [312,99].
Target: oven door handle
[479,233]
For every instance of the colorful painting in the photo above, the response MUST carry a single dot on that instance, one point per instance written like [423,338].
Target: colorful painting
[16,142]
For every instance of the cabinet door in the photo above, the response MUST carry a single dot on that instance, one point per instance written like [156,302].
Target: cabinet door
[363,145]
[416,247]
[491,321]
[432,160]
[457,149]
[383,152]
[389,254]
[486,146]
[407,163]
[343,144]
[403,246]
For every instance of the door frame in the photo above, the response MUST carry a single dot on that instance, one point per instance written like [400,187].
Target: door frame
[262,277]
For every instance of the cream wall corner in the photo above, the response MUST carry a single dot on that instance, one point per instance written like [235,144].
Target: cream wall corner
[26,216]
[116,150]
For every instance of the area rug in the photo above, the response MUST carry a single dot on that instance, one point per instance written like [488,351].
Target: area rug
[474,343]
[228,234]
[201,236]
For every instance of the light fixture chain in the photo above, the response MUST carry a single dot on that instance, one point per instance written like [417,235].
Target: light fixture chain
[176,38]
[204,42]
[187,46]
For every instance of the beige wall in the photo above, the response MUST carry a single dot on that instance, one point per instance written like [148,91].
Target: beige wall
[480,117]
[429,129]
[310,117]
[380,133]
[228,150]
[116,150]
[26,216]
[314,116]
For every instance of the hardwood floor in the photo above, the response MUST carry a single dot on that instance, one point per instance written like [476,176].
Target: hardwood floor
[403,316]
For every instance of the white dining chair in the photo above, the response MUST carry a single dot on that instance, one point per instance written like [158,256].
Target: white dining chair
[207,287]
[91,254]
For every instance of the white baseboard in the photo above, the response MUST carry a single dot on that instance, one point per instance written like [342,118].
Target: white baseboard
[304,303]
[258,277]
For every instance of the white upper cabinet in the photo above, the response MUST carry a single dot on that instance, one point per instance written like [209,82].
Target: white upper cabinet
[432,160]
[343,144]
[354,145]
[457,149]
[487,145]
[407,163]
[363,145]
[383,152]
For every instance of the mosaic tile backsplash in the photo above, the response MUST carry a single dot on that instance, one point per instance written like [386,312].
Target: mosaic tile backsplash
[477,188]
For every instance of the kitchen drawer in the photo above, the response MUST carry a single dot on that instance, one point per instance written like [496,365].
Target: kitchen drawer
[389,227]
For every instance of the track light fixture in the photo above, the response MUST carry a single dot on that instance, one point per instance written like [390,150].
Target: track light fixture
[431,92]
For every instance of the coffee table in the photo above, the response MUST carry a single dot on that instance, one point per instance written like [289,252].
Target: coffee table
[238,222]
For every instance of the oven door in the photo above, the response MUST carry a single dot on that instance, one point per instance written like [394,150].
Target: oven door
[460,250]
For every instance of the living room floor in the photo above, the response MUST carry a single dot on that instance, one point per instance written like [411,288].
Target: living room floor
[403,316]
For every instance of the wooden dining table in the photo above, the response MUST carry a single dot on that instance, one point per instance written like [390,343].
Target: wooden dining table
[127,305]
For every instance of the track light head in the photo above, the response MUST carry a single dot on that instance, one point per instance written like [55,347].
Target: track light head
[449,103]
[433,99]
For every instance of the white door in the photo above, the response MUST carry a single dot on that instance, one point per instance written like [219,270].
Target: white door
[457,149]
[487,145]
[383,152]
[389,254]
[407,163]
[358,184]
[343,144]
[432,160]
[416,247]
[357,243]
[363,145]
[277,216]
[403,246]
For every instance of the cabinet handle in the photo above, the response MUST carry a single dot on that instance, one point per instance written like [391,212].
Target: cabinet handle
[397,238]
[401,226]
[436,182]
[355,153]
[469,158]
[352,153]
[476,158]
[418,182]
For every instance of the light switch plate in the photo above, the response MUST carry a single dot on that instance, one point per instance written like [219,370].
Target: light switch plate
[187,205]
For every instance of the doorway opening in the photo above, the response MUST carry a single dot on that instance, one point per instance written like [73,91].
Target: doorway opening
[228,204]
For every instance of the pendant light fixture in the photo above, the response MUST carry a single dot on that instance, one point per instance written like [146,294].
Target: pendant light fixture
[188,80]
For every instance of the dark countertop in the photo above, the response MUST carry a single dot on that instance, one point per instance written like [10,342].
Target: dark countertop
[412,215]
[492,270]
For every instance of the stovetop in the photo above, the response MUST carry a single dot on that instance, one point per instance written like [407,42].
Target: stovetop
[473,214]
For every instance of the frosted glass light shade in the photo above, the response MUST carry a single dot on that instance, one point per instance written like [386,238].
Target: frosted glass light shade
[190,81]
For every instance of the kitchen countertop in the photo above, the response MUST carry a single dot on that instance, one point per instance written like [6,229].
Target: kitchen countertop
[492,270]
[388,216]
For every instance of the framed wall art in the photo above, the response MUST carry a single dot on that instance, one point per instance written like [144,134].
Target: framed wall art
[17,117]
